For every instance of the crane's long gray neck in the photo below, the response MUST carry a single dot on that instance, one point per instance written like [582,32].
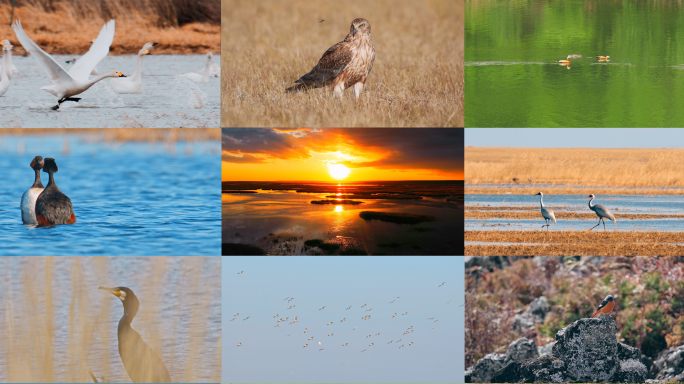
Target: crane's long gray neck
[541,200]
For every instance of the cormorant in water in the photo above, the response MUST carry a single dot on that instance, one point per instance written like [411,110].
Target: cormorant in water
[141,362]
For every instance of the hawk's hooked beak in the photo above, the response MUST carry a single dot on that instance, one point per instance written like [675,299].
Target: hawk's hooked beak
[355,30]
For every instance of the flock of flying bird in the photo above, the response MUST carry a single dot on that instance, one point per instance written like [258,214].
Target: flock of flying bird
[366,317]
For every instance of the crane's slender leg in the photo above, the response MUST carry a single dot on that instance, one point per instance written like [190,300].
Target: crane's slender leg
[604,224]
[599,223]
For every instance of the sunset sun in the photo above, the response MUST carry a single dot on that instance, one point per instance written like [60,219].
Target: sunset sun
[338,171]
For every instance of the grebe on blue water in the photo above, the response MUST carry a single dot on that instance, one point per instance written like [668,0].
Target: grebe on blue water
[53,206]
[28,199]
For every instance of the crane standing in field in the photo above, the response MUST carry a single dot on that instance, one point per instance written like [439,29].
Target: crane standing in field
[601,211]
[547,213]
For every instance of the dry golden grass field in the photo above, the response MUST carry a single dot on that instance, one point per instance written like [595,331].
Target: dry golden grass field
[574,243]
[66,27]
[606,171]
[416,80]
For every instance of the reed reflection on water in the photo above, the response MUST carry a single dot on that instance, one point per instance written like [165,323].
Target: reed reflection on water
[57,326]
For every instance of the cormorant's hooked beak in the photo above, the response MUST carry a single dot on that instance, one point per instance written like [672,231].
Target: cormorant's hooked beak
[114,291]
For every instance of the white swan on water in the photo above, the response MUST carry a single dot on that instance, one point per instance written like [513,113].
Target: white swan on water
[132,84]
[4,71]
[76,81]
[6,43]
[202,77]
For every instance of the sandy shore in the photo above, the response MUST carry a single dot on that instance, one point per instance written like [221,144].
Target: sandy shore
[575,243]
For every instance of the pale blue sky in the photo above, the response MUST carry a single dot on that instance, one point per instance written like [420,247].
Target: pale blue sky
[575,137]
[268,354]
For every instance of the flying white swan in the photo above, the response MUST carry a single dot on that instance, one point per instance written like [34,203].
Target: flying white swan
[200,78]
[4,71]
[67,84]
[133,84]
[6,43]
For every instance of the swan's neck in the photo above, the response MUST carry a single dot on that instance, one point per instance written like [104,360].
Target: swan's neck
[138,72]
[4,76]
[206,70]
[96,79]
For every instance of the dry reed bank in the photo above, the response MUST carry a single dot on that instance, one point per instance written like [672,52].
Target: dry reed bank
[574,243]
[66,27]
[572,170]
[416,80]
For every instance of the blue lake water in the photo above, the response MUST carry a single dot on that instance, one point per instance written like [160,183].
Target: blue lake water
[128,198]
[183,324]
[617,204]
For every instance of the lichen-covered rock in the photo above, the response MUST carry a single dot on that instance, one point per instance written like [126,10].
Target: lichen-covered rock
[484,369]
[522,323]
[585,351]
[547,369]
[589,349]
[669,365]
[521,349]
[546,349]
[538,308]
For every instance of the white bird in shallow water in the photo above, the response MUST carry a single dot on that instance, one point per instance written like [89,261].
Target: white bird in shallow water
[5,72]
[546,212]
[133,84]
[204,76]
[602,212]
[13,69]
[76,81]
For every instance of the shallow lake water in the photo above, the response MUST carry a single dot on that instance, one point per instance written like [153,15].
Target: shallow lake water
[251,218]
[513,78]
[617,204]
[167,101]
[128,198]
[182,324]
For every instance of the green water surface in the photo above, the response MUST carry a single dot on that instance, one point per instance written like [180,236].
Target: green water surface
[513,79]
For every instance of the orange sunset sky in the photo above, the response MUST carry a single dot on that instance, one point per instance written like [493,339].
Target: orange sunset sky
[341,154]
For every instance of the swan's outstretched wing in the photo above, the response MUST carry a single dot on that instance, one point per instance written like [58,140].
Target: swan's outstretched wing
[51,67]
[98,51]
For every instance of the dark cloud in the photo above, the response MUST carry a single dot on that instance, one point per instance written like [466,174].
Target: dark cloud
[261,141]
[402,148]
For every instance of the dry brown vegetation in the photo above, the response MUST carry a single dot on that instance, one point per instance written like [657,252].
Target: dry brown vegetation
[560,215]
[575,170]
[649,294]
[416,80]
[49,335]
[66,27]
[575,243]
[124,134]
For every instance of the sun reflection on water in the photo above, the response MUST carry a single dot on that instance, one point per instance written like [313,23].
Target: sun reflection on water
[338,208]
